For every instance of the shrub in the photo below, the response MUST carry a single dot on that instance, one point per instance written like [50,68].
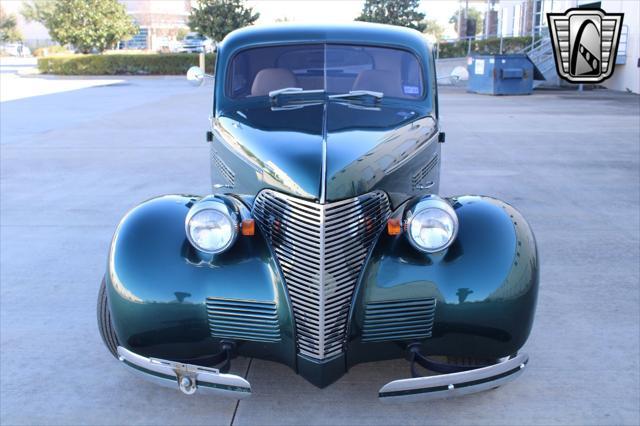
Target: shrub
[126,64]
[50,50]
[491,46]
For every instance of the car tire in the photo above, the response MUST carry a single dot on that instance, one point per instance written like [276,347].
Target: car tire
[105,326]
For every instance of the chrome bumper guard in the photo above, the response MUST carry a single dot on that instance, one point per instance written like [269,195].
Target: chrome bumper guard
[455,384]
[186,377]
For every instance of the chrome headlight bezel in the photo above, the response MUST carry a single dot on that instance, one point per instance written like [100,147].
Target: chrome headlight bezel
[424,205]
[218,205]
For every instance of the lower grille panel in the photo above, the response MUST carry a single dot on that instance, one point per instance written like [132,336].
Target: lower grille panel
[321,249]
[236,319]
[398,320]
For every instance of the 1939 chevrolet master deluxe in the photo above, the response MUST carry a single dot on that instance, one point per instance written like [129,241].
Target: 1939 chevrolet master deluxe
[324,243]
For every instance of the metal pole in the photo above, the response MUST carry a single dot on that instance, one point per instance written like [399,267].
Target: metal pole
[466,29]
[533,22]
[201,60]
[466,19]
[500,23]
[459,20]
[486,21]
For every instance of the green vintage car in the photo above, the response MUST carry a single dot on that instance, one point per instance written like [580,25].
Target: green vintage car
[323,243]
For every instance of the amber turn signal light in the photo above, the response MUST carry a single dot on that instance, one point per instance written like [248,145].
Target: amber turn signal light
[394,226]
[248,227]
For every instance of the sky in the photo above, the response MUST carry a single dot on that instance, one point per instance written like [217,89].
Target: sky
[338,10]
[317,11]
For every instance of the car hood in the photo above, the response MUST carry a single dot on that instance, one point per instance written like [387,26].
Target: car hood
[325,151]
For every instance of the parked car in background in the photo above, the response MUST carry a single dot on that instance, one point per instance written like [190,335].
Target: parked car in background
[168,45]
[15,49]
[196,43]
[324,242]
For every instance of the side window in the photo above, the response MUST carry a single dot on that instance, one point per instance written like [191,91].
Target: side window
[239,81]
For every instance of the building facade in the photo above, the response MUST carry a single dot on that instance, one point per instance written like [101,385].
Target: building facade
[529,17]
[626,76]
[160,22]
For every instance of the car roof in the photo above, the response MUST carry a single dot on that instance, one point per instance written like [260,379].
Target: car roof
[357,32]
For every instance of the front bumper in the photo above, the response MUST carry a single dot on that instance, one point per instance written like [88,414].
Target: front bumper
[455,384]
[190,378]
[186,377]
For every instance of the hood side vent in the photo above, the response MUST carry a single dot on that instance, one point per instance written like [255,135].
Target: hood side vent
[418,178]
[225,171]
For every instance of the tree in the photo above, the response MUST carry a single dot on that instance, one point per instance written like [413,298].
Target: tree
[473,14]
[403,13]
[217,18]
[8,27]
[85,24]
[38,10]
[181,34]
[434,29]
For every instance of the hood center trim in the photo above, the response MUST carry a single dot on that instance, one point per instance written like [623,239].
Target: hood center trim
[323,173]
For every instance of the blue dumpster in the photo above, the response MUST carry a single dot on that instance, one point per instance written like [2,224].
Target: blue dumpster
[501,74]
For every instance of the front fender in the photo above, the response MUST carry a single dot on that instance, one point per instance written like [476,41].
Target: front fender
[484,286]
[158,287]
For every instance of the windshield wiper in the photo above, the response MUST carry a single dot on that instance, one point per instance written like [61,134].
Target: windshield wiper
[292,91]
[354,94]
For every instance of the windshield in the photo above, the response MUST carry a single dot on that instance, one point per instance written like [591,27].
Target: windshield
[334,68]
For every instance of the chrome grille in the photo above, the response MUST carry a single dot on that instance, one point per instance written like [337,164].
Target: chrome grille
[237,319]
[321,249]
[398,320]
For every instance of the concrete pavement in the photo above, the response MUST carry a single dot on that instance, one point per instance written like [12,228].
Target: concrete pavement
[72,163]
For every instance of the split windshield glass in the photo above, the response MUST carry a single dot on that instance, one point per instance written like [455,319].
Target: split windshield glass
[332,68]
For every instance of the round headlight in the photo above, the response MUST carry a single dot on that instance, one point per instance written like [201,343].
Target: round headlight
[433,225]
[210,228]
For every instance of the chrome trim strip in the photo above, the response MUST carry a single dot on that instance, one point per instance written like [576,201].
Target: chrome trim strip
[456,384]
[186,377]
[323,173]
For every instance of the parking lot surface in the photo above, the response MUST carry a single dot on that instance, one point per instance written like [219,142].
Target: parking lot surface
[73,162]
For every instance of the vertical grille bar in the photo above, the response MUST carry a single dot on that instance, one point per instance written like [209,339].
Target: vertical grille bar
[321,249]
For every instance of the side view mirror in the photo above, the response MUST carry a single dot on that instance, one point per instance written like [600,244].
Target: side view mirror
[195,76]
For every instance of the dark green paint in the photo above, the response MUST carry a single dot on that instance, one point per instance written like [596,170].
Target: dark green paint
[158,287]
[485,284]
[494,257]
[378,147]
